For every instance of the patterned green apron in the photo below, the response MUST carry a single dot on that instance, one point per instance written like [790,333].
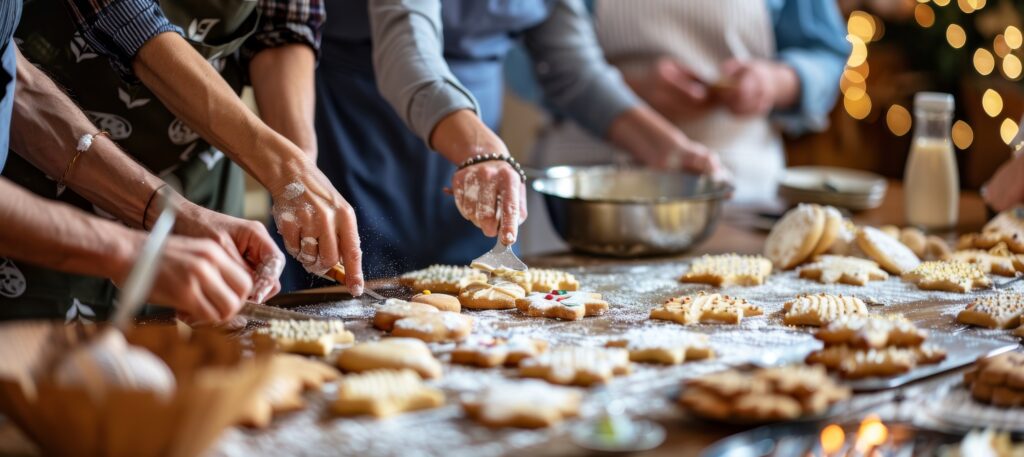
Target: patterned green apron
[138,122]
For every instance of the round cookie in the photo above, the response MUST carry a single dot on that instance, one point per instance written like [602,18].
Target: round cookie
[794,237]
[833,225]
[443,302]
[889,252]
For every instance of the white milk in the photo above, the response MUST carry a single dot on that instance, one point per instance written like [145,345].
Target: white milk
[931,182]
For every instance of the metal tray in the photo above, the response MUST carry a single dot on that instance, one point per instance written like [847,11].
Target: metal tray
[961,350]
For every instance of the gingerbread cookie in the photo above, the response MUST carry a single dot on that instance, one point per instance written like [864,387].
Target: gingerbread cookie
[871,332]
[794,238]
[821,309]
[290,375]
[831,269]
[582,366]
[536,279]
[705,308]
[994,311]
[889,252]
[390,353]
[311,337]
[948,275]
[998,380]
[443,302]
[434,327]
[728,269]
[447,279]
[524,404]
[998,260]
[393,309]
[482,295]
[383,393]
[852,363]
[487,351]
[562,304]
[665,349]
[421,321]
[762,395]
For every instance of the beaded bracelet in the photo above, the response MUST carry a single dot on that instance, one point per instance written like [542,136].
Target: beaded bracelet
[479,158]
[84,143]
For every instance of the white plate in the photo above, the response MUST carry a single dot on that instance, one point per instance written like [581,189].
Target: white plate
[843,181]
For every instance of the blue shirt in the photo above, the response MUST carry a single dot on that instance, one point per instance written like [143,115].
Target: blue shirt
[810,37]
[10,12]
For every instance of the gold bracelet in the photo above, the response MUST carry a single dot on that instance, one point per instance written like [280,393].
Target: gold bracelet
[84,143]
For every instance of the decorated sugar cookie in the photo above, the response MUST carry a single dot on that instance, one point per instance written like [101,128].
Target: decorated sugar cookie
[562,304]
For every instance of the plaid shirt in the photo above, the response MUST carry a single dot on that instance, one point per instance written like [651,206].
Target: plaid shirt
[119,28]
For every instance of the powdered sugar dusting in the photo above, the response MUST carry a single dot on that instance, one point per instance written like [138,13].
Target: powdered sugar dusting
[631,290]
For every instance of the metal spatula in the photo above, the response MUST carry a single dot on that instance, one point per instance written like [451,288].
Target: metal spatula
[499,257]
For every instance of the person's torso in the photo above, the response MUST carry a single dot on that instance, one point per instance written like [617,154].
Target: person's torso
[135,118]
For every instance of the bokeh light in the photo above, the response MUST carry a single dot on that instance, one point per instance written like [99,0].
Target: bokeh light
[858,108]
[861,25]
[924,15]
[1007,130]
[898,120]
[992,103]
[966,6]
[956,36]
[963,135]
[984,62]
[859,53]
[999,46]
[1013,37]
[1011,66]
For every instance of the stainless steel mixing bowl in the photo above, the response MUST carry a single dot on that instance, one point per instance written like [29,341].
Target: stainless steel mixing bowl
[629,212]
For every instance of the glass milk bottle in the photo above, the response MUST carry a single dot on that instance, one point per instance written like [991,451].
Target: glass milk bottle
[931,185]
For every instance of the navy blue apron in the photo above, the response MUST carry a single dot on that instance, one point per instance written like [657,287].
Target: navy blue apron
[390,176]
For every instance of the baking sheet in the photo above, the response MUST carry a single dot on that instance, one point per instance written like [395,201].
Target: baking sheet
[632,289]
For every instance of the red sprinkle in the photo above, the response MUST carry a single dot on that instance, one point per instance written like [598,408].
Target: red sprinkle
[549,297]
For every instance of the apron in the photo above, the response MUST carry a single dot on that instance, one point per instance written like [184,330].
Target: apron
[392,179]
[693,32]
[10,12]
[139,123]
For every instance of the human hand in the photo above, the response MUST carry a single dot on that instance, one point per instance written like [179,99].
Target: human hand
[492,196]
[318,226]
[198,278]
[245,241]
[755,87]
[671,89]
[656,143]
[1006,188]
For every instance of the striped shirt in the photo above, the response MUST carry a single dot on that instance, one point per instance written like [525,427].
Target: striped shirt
[119,28]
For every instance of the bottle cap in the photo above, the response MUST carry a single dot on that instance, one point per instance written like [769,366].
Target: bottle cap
[934,101]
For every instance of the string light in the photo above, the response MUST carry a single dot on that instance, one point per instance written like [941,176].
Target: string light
[999,46]
[859,53]
[984,63]
[861,25]
[859,108]
[1011,66]
[963,135]
[898,120]
[992,103]
[924,15]
[956,36]
[1007,130]
[1013,37]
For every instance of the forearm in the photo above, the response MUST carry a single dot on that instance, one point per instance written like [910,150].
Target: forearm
[462,135]
[197,94]
[55,235]
[787,86]
[45,129]
[641,130]
[282,81]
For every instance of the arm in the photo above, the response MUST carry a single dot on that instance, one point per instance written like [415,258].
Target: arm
[282,59]
[195,276]
[811,39]
[414,78]
[190,88]
[571,69]
[110,179]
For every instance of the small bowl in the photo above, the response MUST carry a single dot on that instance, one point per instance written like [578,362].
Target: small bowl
[629,212]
